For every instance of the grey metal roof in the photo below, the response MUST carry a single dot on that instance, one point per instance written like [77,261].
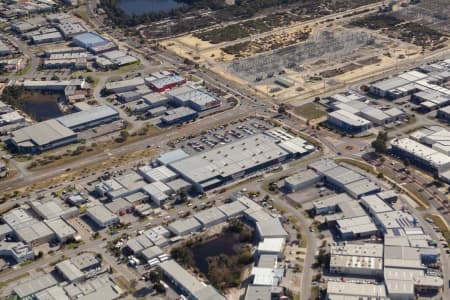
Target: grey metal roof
[229,159]
[87,116]
[35,285]
[69,270]
[209,215]
[185,225]
[43,133]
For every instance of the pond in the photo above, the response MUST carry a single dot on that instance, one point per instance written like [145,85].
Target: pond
[41,107]
[221,245]
[140,7]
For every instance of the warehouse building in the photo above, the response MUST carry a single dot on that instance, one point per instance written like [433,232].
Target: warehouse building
[394,220]
[35,235]
[93,117]
[210,217]
[51,209]
[17,251]
[88,40]
[363,187]
[215,167]
[186,284]
[375,205]
[357,227]
[271,246]
[232,209]
[51,37]
[155,100]
[124,85]
[161,173]
[69,29]
[428,158]
[120,186]
[179,185]
[164,83]
[158,192]
[193,98]
[41,137]
[185,226]
[330,205]
[102,216]
[53,85]
[301,180]
[119,206]
[109,46]
[357,259]
[129,96]
[444,114]
[31,287]
[338,290]
[63,231]
[392,88]
[178,115]
[348,122]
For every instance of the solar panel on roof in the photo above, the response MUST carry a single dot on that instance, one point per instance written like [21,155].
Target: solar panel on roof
[396,232]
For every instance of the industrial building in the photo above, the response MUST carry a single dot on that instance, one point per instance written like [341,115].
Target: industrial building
[186,284]
[121,186]
[232,209]
[271,246]
[88,40]
[93,117]
[178,115]
[164,83]
[41,137]
[185,226]
[119,206]
[394,220]
[17,251]
[210,217]
[348,122]
[301,180]
[158,192]
[102,216]
[193,98]
[357,259]
[51,209]
[69,29]
[356,227]
[63,231]
[123,86]
[428,158]
[338,290]
[330,205]
[50,37]
[444,114]
[34,286]
[215,167]
[52,85]
[375,204]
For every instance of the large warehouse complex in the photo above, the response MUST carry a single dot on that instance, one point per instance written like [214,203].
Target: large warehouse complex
[58,132]
[256,153]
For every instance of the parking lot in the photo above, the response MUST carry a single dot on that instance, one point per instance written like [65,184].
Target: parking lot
[222,135]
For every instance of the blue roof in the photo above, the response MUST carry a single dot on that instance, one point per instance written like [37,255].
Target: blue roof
[90,39]
[172,156]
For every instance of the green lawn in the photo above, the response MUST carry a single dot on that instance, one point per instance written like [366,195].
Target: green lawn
[310,111]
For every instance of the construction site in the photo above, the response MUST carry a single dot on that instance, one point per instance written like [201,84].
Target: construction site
[303,58]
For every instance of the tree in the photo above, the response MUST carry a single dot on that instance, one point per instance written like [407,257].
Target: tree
[55,77]
[154,276]
[183,196]
[89,79]
[160,289]
[282,109]
[380,143]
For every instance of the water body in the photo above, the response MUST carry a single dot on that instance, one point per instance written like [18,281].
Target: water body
[42,107]
[140,7]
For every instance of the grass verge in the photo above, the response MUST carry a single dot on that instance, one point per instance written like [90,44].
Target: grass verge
[441,224]
[310,111]
[6,282]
